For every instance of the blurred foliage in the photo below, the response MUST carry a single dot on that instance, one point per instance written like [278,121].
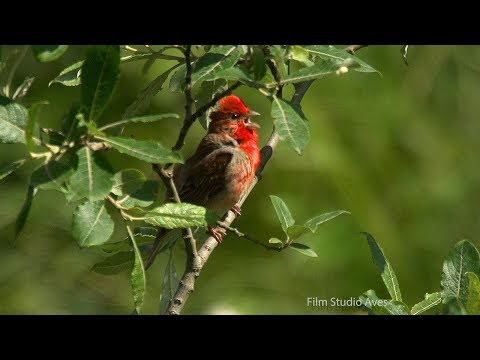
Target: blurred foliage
[398,151]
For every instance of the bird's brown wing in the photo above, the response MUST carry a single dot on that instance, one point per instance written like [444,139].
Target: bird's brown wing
[206,177]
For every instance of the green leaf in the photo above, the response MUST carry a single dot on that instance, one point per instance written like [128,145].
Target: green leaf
[275,241]
[291,124]
[138,280]
[23,214]
[145,231]
[128,181]
[99,76]
[473,298]
[6,170]
[143,197]
[117,263]
[278,55]
[381,306]
[93,177]
[143,236]
[340,57]
[283,214]
[13,120]
[47,53]
[386,270]
[314,222]
[216,60]
[22,90]
[50,176]
[179,215]
[144,119]
[92,225]
[70,76]
[31,124]
[430,301]
[177,81]
[300,54]
[259,65]
[303,249]
[319,69]
[146,95]
[170,283]
[145,150]
[462,259]
[207,92]
[295,232]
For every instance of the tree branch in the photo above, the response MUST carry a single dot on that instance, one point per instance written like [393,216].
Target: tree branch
[187,283]
[352,49]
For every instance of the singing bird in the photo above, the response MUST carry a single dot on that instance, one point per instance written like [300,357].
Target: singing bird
[223,166]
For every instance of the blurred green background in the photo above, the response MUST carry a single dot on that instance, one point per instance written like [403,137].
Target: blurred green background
[399,151]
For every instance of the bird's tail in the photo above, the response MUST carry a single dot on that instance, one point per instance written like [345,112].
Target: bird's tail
[161,242]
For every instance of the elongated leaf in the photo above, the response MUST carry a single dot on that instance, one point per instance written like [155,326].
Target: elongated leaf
[145,231]
[340,57]
[13,120]
[170,283]
[303,249]
[291,124]
[177,81]
[283,214]
[22,90]
[320,69]
[92,225]
[6,170]
[404,52]
[430,301]
[128,181]
[386,270]
[99,77]
[300,54]
[259,65]
[117,263]
[314,222]
[463,258]
[93,177]
[70,76]
[138,279]
[381,306]
[31,124]
[278,55]
[473,298]
[146,95]
[50,176]
[143,197]
[295,232]
[143,236]
[23,214]
[47,53]
[144,119]
[207,92]
[145,150]
[182,215]
[216,60]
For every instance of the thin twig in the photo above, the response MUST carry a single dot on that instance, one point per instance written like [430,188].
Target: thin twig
[352,49]
[248,237]
[187,124]
[13,70]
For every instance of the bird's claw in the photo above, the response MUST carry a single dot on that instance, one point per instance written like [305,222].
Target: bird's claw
[237,210]
[218,233]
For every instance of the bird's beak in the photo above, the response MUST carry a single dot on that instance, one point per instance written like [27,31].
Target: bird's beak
[251,124]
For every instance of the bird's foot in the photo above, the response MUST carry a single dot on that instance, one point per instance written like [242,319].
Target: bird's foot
[237,210]
[218,233]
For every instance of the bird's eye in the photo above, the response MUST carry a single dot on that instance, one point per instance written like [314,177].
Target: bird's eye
[235,116]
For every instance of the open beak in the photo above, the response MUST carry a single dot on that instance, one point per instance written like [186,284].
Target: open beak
[251,124]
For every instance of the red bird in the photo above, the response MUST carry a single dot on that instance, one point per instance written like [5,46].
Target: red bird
[224,164]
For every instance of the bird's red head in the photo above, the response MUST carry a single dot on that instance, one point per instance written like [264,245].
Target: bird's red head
[232,116]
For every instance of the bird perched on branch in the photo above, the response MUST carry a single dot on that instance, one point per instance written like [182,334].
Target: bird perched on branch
[223,166]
